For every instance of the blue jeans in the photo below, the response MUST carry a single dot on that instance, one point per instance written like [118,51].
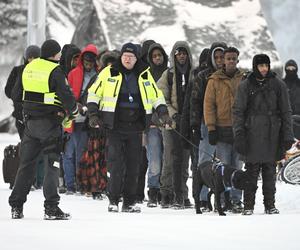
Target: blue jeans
[206,151]
[72,155]
[226,153]
[154,149]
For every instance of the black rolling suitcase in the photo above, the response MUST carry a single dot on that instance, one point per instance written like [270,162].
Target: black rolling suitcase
[10,163]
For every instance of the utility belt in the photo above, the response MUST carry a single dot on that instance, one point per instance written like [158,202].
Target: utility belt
[45,98]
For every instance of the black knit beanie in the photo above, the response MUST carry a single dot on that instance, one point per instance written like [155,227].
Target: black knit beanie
[130,48]
[32,51]
[50,48]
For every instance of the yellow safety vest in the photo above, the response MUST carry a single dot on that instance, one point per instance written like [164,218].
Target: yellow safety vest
[35,80]
[105,91]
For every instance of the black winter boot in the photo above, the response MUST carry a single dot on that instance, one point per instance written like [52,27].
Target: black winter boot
[152,195]
[55,213]
[113,206]
[249,201]
[204,207]
[178,203]
[247,212]
[126,208]
[237,207]
[17,213]
[270,208]
[187,204]
[165,201]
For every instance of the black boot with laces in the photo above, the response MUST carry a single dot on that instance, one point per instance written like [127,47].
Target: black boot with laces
[270,207]
[126,208]
[17,213]
[271,210]
[55,213]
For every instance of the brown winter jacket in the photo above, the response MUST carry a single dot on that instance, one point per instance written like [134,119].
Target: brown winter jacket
[219,99]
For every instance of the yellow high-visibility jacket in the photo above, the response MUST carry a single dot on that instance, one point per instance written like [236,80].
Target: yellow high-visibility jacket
[105,91]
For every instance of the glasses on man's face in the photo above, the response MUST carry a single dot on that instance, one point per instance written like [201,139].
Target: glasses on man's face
[131,57]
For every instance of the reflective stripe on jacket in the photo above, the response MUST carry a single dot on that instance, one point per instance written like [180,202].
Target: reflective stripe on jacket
[105,91]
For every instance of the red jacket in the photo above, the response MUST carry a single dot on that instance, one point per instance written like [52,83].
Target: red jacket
[75,76]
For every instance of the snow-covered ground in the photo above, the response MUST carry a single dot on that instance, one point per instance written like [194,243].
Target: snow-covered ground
[92,227]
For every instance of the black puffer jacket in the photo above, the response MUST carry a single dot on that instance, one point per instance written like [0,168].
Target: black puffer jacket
[262,115]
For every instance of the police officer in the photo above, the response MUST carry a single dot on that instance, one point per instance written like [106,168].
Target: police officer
[125,93]
[47,99]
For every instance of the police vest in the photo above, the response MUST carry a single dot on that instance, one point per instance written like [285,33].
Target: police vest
[35,80]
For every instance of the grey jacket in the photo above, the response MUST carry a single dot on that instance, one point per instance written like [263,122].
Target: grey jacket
[170,91]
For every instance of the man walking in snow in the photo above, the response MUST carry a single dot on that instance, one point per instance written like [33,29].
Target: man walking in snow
[262,129]
[218,101]
[121,100]
[174,83]
[215,61]
[78,79]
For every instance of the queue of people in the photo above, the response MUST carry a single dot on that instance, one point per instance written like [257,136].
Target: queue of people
[101,120]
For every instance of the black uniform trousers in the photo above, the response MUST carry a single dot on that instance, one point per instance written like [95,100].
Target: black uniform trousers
[123,164]
[44,136]
[268,171]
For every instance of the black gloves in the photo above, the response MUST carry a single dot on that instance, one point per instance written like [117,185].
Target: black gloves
[240,144]
[288,145]
[166,120]
[212,137]
[95,122]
